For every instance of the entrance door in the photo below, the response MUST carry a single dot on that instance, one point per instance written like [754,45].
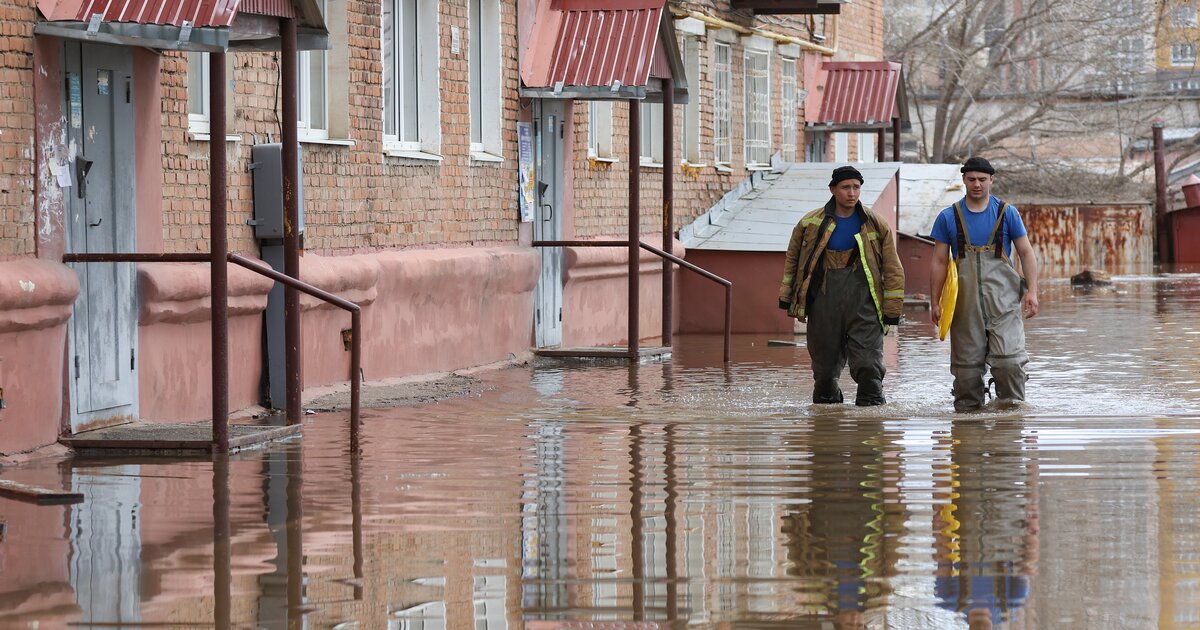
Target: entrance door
[98,110]
[547,221]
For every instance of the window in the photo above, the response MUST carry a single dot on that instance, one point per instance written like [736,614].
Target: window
[600,130]
[841,148]
[484,49]
[411,106]
[787,97]
[689,141]
[1183,54]
[652,132]
[312,89]
[866,147]
[198,91]
[722,114]
[1183,14]
[758,108]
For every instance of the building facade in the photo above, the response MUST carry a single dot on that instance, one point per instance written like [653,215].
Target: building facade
[410,134]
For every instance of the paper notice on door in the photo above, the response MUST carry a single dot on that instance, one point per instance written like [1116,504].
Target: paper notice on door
[62,173]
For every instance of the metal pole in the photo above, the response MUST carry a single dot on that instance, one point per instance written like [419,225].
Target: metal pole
[896,139]
[635,191]
[294,533]
[291,234]
[880,141]
[219,247]
[222,536]
[355,380]
[668,235]
[1162,230]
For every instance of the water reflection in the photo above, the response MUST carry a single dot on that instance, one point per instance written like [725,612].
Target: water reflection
[675,494]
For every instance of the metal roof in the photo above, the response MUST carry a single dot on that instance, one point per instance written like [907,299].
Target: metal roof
[197,25]
[601,49]
[926,189]
[761,219]
[861,95]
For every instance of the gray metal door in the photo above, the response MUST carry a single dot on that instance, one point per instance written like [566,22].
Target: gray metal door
[547,221]
[98,111]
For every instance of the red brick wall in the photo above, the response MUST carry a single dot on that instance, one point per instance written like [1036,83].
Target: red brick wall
[17,18]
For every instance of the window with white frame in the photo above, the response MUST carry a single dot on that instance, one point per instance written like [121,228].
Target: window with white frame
[787,98]
[600,130]
[484,50]
[198,91]
[652,132]
[411,99]
[1183,14]
[758,108]
[313,89]
[689,141]
[866,148]
[722,108]
[1183,54]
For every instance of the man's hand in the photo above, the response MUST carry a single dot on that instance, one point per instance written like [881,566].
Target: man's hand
[935,312]
[1029,304]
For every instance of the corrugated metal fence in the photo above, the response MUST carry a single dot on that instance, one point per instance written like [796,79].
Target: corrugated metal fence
[1118,238]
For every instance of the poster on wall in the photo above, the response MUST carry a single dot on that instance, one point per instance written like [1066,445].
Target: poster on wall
[525,176]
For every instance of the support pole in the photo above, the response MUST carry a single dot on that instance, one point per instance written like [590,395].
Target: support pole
[219,269]
[1162,229]
[896,139]
[880,148]
[291,203]
[635,191]
[668,235]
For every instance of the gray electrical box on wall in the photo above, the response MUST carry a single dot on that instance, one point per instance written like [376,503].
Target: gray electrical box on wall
[266,165]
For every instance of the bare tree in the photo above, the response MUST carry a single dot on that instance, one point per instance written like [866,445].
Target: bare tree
[1018,76]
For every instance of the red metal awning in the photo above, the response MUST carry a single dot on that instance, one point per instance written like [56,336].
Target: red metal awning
[600,49]
[860,95]
[201,25]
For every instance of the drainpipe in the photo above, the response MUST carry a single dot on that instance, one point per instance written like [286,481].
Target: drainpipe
[668,203]
[291,220]
[635,191]
[1162,231]
[219,252]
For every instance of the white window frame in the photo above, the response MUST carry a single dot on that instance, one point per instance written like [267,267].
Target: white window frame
[311,125]
[866,147]
[484,59]
[425,141]
[841,147]
[788,107]
[600,123]
[689,141]
[651,144]
[756,90]
[722,104]
[1183,15]
[198,121]
[1183,54]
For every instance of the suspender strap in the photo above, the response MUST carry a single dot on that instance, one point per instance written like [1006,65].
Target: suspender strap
[814,257]
[961,227]
[998,230]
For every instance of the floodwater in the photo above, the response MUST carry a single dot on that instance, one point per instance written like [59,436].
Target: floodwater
[682,493]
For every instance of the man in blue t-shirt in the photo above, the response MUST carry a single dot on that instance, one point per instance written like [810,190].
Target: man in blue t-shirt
[978,234]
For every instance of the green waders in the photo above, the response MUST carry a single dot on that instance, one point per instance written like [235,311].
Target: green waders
[844,328]
[988,329]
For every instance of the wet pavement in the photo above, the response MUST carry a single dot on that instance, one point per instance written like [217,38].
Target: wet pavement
[673,494]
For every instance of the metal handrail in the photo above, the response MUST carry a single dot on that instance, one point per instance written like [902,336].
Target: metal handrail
[355,330]
[355,311]
[671,257]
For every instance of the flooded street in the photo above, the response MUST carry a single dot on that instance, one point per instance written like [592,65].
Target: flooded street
[682,493]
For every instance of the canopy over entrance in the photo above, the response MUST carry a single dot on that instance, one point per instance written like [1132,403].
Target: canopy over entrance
[203,25]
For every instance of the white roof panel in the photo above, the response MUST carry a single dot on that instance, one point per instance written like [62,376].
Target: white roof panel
[925,189]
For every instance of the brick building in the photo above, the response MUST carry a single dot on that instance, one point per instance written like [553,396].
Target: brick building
[409,138]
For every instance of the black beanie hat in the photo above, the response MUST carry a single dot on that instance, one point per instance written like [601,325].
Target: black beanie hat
[842,173]
[977,164]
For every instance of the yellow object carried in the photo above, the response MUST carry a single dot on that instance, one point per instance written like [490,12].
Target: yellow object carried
[948,299]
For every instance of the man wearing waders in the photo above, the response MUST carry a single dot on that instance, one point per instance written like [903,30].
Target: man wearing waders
[987,329]
[844,279]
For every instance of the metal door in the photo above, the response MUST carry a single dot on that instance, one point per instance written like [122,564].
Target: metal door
[98,111]
[547,221]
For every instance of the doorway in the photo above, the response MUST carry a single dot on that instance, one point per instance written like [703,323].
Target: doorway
[101,218]
[548,221]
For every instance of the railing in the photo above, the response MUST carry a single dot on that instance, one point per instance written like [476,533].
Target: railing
[671,257]
[256,267]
